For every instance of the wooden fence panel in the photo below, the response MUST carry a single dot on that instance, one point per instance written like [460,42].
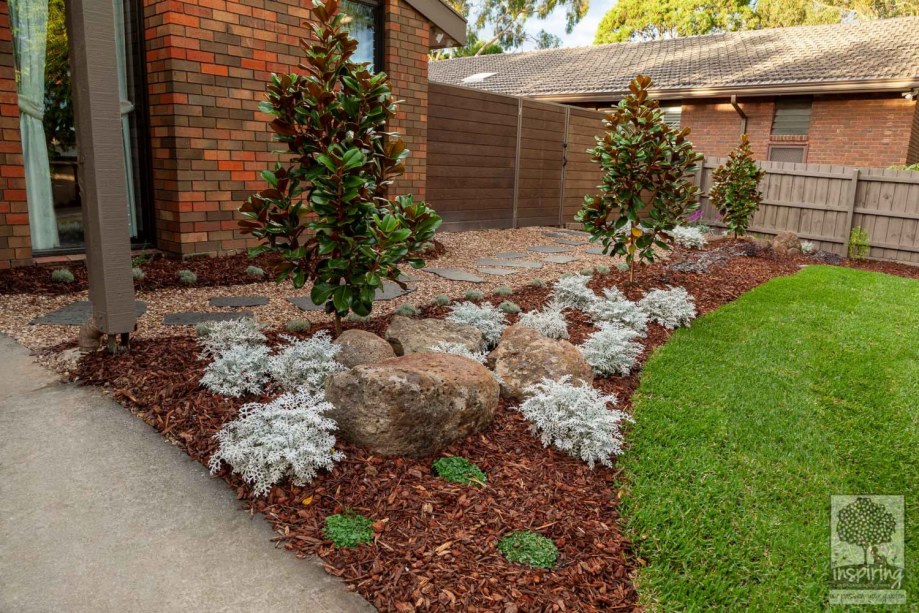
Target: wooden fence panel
[539,187]
[582,175]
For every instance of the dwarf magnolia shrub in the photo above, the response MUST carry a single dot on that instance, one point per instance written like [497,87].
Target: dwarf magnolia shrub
[255,271]
[407,310]
[348,530]
[218,336]
[549,322]
[474,295]
[305,364]
[503,291]
[689,237]
[735,188]
[62,275]
[287,437]
[460,349]
[612,349]
[572,291]
[575,419]
[614,307]
[187,277]
[670,308]
[459,470]
[529,548]
[488,319]
[138,274]
[239,370]
[509,307]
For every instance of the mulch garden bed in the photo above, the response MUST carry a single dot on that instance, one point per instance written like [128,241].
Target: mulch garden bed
[435,546]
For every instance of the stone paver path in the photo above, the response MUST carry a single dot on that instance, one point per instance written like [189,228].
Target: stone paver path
[549,249]
[561,259]
[389,291]
[455,274]
[568,241]
[499,263]
[510,255]
[237,301]
[77,313]
[503,272]
[595,251]
[193,318]
[100,514]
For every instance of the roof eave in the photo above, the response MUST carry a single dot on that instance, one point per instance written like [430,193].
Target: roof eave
[451,23]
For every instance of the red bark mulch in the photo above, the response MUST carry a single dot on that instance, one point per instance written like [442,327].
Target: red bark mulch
[436,541]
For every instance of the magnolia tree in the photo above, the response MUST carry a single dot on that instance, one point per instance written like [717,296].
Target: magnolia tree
[647,188]
[735,188]
[327,216]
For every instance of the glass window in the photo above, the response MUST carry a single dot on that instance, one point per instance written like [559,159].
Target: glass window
[792,116]
[786,153]
[671,114]
[363,27]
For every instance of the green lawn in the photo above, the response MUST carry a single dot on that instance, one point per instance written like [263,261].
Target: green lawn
[747,422]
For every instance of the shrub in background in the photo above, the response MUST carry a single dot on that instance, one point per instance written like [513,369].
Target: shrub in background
[614,307]
[328,216]
[549,322]
[735,188]
[859,244]
[647,167]
[237,371]
[575,420]
[612,350]
[305,364]
[187,277]
[602,270]
[219,336]
[287,437]
[689,237]
[407,310]
[537,283]
[503,291]
[460,349]
[489,320]
[299,325]
[62,275]
[474,295]
[459,470]
[255,271]
[622,266]
[670,308]
[807,247]
[572,291]
[441,300]
[138,274]
[587,272]
[348,529]
[529,548]
[509,307]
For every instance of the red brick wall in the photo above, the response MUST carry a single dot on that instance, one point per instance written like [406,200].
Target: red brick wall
[912,156]
[15,242]
[716,126]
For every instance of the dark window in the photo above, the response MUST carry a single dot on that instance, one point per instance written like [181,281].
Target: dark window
[786,153]
[366,27]
[792,116]
[671,114]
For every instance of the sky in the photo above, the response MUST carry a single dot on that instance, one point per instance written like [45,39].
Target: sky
[583,33]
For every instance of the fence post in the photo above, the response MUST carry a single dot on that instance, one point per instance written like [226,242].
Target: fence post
[850,213]
[517,160]
[561,195]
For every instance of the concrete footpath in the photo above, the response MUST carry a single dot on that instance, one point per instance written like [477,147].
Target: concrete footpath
[99,513]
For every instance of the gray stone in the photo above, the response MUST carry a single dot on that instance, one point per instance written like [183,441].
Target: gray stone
[827,257]
[497,271]
[549,249]
[192,318]
[409,335]
[490,262]
[238,301]
[77,314]
[552,234]
[595,251]
[455,274]
[786,245]
[414,405]
[510,255]
[305,303]
[560,259]
[580,233]
[565,241]
[362,347]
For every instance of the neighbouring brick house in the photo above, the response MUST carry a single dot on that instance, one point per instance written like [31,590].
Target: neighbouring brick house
[838,94]
[193,73]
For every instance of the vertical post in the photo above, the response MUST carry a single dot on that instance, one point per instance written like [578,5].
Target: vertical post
[517,160]
[103,187]
[850,211]
[561,195]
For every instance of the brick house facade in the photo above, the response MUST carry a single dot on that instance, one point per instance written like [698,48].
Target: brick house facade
[206,65]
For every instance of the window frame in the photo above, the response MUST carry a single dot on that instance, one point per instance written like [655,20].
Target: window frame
[787,145]
[792,100]
[378,33]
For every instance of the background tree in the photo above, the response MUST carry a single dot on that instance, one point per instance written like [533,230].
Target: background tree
[58,119]
[327,215]
[647,188]
[735,188]
[866,524]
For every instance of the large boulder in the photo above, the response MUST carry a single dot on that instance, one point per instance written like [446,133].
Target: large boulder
[786,245]
[362,347]
[524,357]
[413,405]
[408,335]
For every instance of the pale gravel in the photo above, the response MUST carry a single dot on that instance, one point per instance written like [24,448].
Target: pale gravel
[462,250]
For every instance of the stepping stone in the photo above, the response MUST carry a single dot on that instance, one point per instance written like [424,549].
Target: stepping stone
[565,241]
[499,263]
[304,303]
[595,251]
[570,232]
[549,249]
[77,314]
[510,255]
[237,301]
[192,318]
[553,234]
[497,271]
[389,291]
[455,274]
[560,259]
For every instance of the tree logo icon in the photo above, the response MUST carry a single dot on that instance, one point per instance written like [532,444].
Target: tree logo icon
[866,524]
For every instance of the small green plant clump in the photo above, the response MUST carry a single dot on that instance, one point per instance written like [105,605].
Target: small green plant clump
[859,244]
[509,307]
[298,325]
[529,548]
[735,188]
[588,272]
[62,275]
[140,260]
[352,316]
[503,291]
[187,277]
[622,266]
[255,271]
[459,470]
[602,270]
[407,310]
[441,300]
[138,274]
[474,295]
[537,283]
[348,530]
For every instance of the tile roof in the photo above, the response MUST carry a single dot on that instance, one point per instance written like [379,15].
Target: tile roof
[866,51]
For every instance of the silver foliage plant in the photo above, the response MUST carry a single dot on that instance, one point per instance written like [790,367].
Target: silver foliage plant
[550,321]
[612,350]
[807,247]
[572,291]
[575,420]
[239,370]
[486,317]
[460,349]
[287,437]
[614,307]
[305,364]
[671,308]
[216,337]
[690,237]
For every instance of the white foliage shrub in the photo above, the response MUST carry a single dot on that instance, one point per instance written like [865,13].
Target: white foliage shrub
[287,437]
[690,237]
[549,322]
[670,308]
[216,337]
[575,420]
[460,349]
[241,369]
[614,307]
[612,349]
[807,247]
[305,364]
[486,317]
[572,291]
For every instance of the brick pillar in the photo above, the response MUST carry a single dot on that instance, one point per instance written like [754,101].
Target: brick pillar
[15,241]
[405,60]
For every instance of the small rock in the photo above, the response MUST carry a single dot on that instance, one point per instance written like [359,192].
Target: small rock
[362,347]
[786,245]
[827,257]
[413,405]
[525,357]
[408,335]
